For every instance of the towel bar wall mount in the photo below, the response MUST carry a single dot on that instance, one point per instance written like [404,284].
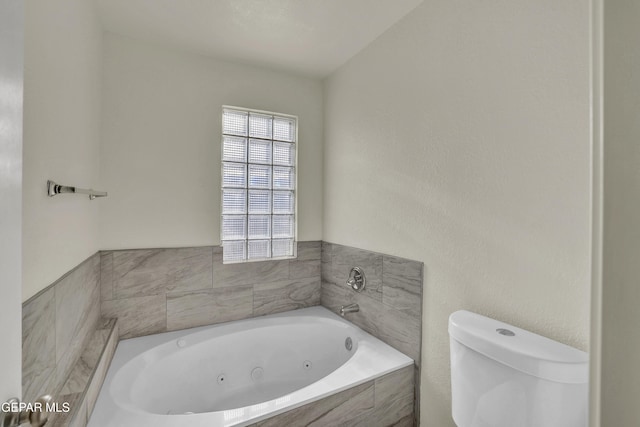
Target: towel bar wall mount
[54,188]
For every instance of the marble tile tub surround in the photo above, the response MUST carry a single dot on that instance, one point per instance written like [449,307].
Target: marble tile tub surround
[386,401]
[158,290]
[57,324]
[85,381]
[155,290]
[390,305]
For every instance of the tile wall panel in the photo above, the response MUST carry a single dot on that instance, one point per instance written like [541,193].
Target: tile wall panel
[39,345]
[208,306]
[386,401]
[390,306]
[291,294]
[158,290]
[77,313]
[138,316]
[57,323]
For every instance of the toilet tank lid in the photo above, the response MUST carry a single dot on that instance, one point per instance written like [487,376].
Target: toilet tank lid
[520,349]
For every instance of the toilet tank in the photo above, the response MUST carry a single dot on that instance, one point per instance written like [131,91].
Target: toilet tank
[503,376]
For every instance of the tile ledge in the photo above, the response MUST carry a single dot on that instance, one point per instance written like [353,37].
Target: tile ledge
[77,395]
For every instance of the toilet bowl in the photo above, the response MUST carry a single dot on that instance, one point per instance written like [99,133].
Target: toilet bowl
[504,376]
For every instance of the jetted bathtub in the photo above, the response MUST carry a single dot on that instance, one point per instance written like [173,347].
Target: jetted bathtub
[238,373]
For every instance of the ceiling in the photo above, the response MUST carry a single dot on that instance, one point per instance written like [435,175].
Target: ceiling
[310,37]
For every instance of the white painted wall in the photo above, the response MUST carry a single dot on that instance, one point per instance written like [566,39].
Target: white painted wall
[160,155]
[621,243]
[61,137]
[460,138]
[11,104]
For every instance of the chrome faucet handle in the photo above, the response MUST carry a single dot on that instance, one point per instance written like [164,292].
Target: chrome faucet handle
[356,279]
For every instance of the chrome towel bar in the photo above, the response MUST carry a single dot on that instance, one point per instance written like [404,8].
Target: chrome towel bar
[53,189]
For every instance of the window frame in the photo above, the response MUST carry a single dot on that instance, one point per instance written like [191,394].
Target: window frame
[271,190]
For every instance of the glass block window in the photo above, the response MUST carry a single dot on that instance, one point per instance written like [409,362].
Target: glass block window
[258,185]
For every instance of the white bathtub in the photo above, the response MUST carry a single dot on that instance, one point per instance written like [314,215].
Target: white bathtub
[238,373]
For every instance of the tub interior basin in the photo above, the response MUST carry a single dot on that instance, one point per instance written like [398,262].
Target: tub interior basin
[239,373]
[196,374]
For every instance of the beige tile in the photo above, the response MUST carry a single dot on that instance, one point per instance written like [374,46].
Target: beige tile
[106,276]
[326,251]
[402,273]
[138,316]
[396,317]
[394,327]
[93,351]
[78,378]
[156,271]
[287,295]
[309,250]
[394,395]
[393,400]
[371,315]
[304,269]
[80,419]
[187,310]
[85,366]
[334,296]
[39,345]
[326,266]
[407,421]
[401,331]
[247,273]
[402,300]
[190,269]
[100,372]
[357,406]
[77,416]
[140,272]
[402,284]
[106,323]
[72,352]
[339,409]
[77,298]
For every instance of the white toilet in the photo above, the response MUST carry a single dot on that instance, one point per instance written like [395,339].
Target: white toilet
[503,376]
